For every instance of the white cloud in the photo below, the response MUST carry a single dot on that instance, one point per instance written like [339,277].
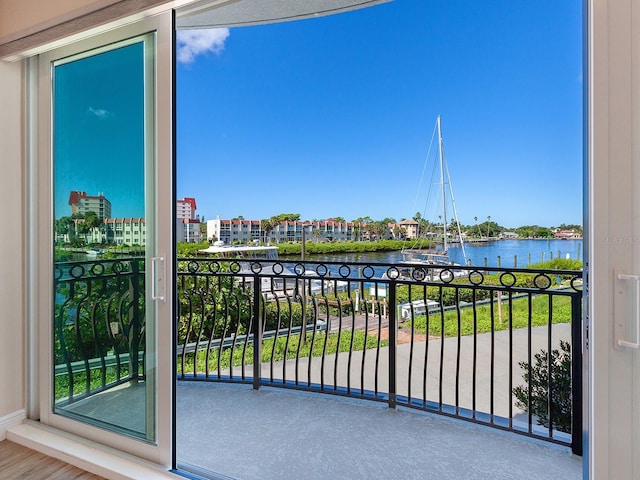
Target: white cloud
[192,43]
[101,113]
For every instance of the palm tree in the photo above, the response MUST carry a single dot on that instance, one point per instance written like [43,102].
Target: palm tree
[65,227]
[92,221]
[379,229]
[357,231]
[488,225]
[267,226]
[475,219]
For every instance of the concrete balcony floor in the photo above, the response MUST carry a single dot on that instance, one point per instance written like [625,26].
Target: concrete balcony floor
[236,432]
[240,433]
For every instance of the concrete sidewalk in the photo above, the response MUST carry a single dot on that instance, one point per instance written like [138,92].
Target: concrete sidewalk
[439,369]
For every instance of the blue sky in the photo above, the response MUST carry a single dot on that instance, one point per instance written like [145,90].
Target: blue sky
[333,116]
[98,130]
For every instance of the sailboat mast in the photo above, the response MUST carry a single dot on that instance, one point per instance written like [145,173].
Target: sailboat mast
[444,198]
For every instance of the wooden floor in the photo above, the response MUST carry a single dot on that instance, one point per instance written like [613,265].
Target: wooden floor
[20,463]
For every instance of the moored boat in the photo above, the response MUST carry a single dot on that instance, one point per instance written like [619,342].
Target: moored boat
[439,254]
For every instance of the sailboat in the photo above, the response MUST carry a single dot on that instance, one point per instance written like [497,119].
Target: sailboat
[438,254]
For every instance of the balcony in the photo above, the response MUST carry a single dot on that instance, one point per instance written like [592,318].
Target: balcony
[277,433]
[395,366]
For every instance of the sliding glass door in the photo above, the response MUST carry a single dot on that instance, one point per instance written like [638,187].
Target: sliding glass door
[105,106]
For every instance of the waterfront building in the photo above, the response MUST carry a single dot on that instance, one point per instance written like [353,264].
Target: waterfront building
[508,236]
[247,231]
[187,224]
[186,208]
[233,231]
[118,231]
[320,230]
[567,234]
[188,230]
[81,203]
[405,229]
[121,231]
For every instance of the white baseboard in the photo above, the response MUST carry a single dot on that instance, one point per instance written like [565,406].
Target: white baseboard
[9,421]
[84,454]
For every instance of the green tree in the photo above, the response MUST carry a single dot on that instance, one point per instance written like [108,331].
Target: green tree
[379,229]
[92,222]
[492,229]
[365,226]
[65,226]
[399,232]
[423,225]
[82,229]
[267,225]
[203,229]
[542,232]
[357,231]
[525,231]
[287,217]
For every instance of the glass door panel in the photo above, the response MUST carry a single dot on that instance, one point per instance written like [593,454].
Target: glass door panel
[103,203]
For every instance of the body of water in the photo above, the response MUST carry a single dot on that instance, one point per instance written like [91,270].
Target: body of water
[520,253]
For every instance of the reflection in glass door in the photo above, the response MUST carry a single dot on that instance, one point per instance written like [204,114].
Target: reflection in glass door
[103,194]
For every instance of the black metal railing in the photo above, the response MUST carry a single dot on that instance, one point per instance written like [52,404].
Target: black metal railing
[494,346]
[98,326]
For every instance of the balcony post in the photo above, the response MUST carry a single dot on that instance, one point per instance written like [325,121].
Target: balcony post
[576,374]
[257,333]
[393,330]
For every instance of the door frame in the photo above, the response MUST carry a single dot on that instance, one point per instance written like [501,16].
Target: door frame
[612,219]
[39,122]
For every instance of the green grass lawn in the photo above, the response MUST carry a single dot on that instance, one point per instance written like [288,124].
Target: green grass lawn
[517,314]
[282,350]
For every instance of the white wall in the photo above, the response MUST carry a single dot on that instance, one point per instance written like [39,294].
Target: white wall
[12,368]
[23,17]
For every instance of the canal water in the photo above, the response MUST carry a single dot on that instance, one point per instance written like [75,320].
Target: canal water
[506,253]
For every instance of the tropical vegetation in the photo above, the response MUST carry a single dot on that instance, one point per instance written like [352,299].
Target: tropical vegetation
[548,374]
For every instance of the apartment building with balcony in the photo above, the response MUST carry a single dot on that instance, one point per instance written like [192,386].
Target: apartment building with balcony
[188,224]
[246,231]
[186,208]
[81,203]
[404,229]
[121,231]
[234,231]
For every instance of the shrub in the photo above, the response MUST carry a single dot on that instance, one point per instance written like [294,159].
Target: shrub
[559,264]
[537,378]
